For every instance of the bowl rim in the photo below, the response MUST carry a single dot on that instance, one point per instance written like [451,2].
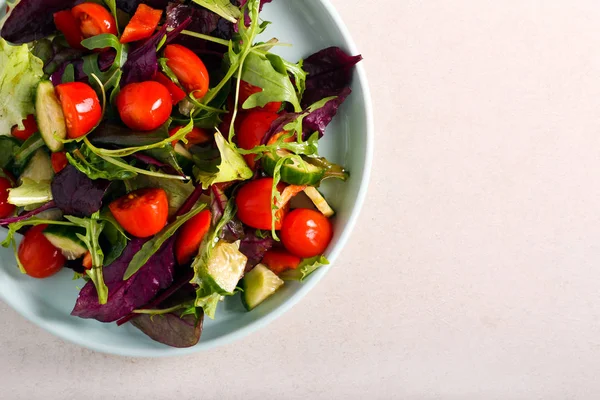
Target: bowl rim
[263,321]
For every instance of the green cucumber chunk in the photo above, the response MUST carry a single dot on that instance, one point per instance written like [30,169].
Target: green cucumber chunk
[291,171]
[319,201]
[65,238]
[50,117]
[258,285]
[225,267]
[39,167]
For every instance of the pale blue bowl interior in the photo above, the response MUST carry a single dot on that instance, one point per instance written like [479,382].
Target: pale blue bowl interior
[309,25]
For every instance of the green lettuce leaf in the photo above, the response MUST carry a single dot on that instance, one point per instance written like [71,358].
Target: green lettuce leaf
[20,73]
[29,193]
[223,8]
[306,267]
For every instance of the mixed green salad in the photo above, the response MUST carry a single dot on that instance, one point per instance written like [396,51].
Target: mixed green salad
[164,154]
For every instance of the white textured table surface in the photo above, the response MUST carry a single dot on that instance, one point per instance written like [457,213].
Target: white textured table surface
[473,272]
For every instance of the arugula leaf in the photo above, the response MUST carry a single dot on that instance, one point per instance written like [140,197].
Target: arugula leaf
[231,168]
[30,193]
[208,303]
[306,267]
[95,167]
[8,148]
[20,73]
[112,6]
[222,8]
[268,72]
[299,75]
[154,244]
[69,74]
[110,77]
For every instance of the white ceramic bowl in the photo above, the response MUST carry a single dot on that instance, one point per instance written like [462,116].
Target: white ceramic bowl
[309,25]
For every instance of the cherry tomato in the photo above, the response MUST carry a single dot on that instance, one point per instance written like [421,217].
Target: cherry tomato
[59,161]
[142,25]
[247,90]
[188,68]
[94,19]
[253,130]
[280,261]
[176,93]
[190,237]
[30,127]
[306,233]
[196,136]
[81,107]
[38,256]
[143,212]
[144,106]
[6,209]
[254,204]
[69,26]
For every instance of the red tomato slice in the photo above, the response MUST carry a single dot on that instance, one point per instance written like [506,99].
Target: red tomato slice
[306,233]
[142,25]
[59,161]
[252,130]
[280,261]
[30,127]
[254,204]
[190,237]
[81,107]
[94,19]
[247,90]
[175,91]
[196,136]
[144,106]
[188,68]
[6,209]
[38,256]
[69,26]
[143,212]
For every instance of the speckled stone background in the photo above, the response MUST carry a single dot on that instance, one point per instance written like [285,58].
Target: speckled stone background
[473,272]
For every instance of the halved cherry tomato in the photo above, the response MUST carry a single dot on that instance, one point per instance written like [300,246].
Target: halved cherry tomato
[59,161]
[69,26]
[176,93]
[144,106]
[94,19]
[254,204]
[6,209]
[188,68]
[142,25]
[196,136]
[306,233]
[253,130]
[30,127]
[247,90]
[38,256]
[280,261]
[81,107]
[190,237]
[143,212]
[87,261]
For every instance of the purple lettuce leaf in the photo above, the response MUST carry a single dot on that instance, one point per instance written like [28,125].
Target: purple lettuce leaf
[31,20]
[278,125]
[320,118]
[126,296]
[255,247]
[202,20]
[233,230]
[247,19]
[129,6]
[76,194]
[329,73]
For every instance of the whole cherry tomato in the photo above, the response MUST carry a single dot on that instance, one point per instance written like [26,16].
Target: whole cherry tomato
[6,209]
[306,233]
[142,25]
[94,19]
[190,236]
[59,161]
[188,68]
[254,204]
[38,256]
[144,106]
[196,136]
[252,130]
[280,261]
[143,212]
[81,107]
[247,90]
[29,128]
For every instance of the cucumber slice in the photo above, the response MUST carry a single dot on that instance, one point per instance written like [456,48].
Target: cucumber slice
[65,238]
[258,285]
[39,168]
[225,267]
[50,117]
[319,201]
[291,171]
